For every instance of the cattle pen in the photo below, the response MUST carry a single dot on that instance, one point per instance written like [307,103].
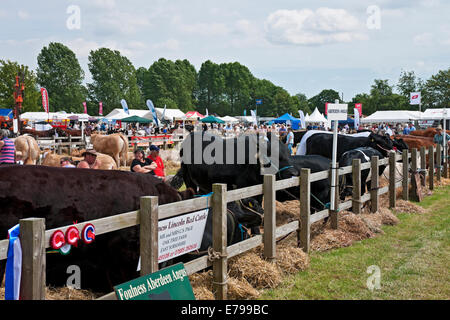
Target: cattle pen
[35,239]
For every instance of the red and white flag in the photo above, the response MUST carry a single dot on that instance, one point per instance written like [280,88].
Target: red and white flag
[44,95]
[100,108]
[415,98]
[85,107]
[359,107]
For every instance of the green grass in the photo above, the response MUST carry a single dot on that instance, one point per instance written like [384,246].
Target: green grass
[413,257]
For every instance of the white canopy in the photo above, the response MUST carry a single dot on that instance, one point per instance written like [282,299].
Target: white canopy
[316,116]
[119,114]
[39,116]
[229,119]
[392,116]
[435,114]
[170,114]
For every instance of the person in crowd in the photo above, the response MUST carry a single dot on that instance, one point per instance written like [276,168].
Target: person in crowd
[90,160]
[155,158]
[411,127]
[290,140]
[7,148]
[439,136]
[389,130]
[142,164]
[406,130]
[66,162]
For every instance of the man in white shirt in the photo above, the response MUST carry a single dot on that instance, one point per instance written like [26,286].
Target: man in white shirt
[290,140]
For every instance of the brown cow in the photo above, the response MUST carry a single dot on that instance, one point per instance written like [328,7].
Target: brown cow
[28,148]
[416,142]
[115,145]
[429,132]
[53,160]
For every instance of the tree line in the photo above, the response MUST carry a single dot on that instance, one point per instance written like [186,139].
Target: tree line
[222,89]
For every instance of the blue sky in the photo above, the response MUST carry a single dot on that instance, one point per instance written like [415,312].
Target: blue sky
[303,46]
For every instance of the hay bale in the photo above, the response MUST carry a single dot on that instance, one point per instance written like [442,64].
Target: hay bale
[241,289]
[387,217]
[259,273]
[68,293]
[203,293]
[291,259]
[287,211]
[409,207]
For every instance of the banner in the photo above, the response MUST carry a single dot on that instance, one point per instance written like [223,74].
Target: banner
[44,95]
[164,113]
[302,119]
[124,106]
[415,98]
[207,112]
[326,108]
[245,112]
[13,265]
[356,120]
[100,108]
[359,107]
[253,112]
[85,107]
[151,107]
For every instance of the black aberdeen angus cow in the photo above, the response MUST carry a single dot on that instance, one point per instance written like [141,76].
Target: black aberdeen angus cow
[322,144]
[235,166]
[320,190]
[365,154]
[63,196]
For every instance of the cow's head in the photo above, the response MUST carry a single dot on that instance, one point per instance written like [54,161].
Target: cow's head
[276,158]
[167,194]
[246,214]
[381,143]
[399,144]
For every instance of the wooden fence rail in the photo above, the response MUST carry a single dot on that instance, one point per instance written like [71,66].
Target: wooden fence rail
[35,239]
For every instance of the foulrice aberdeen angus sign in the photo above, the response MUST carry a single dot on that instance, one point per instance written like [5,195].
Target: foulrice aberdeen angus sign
[171,283]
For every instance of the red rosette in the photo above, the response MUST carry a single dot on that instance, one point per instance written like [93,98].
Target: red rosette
[57,240]
[72,236]
[88,233]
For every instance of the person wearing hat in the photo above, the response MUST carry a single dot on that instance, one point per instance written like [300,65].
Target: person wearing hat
[142,164]
[439,137]
[90,160]
[154,156]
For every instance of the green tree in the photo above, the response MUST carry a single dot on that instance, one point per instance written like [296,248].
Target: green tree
[8,72]
[114,78]
[60,73]
[319,100]
[211,87]
[238,83]
[436,90]
[303,103]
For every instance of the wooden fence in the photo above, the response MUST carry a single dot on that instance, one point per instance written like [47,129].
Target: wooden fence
[35,238]
[57,143]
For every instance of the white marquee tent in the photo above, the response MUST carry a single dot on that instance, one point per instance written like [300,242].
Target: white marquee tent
[435,114]
[170,114]
[39,116]
[119,114]
[392,116]
[229,119]
[316,116]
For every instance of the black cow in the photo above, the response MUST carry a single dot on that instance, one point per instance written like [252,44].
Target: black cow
[63,196]
[399,144]
[242,170]
[298,135]
[365,154]
[322,144]
[320,190]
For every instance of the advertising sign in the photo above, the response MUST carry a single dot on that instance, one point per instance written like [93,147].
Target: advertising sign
[170,283]
[337,111]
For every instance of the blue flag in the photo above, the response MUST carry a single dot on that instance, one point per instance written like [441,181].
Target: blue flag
[13,265]
[151,107]
[124,106]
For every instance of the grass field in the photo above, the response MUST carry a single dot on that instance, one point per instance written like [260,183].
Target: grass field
[413,259]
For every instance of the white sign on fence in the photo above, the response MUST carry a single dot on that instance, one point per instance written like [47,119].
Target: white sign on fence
[337,111]
[180,235]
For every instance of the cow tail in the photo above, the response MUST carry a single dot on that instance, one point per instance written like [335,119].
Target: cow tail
[125,148]
[178,180]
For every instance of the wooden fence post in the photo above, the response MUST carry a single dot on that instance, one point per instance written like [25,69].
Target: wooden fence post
[423,165]
[270,248]
[148,218]
[445,162]
[431,167]
[414,168]
[374,184]
[392,198]
[405,181]
[32,239]
[219,207]
[356,176]
[438,162]
[70,145]
[305,190]
[334,214]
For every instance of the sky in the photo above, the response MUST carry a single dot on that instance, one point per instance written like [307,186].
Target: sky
[303,46]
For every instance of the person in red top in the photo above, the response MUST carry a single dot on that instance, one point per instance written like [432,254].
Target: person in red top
[154,156]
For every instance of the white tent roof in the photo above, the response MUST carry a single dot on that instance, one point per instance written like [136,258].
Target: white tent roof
[435,114]
[392,116]
[170,114]
[229,119]
[316,116]
[38,116]
[119,114]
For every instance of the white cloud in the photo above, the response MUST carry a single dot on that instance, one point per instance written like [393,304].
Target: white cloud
[307,27]
[423,39]
[105,4]
[23,15]
[206,29]
[170,44]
